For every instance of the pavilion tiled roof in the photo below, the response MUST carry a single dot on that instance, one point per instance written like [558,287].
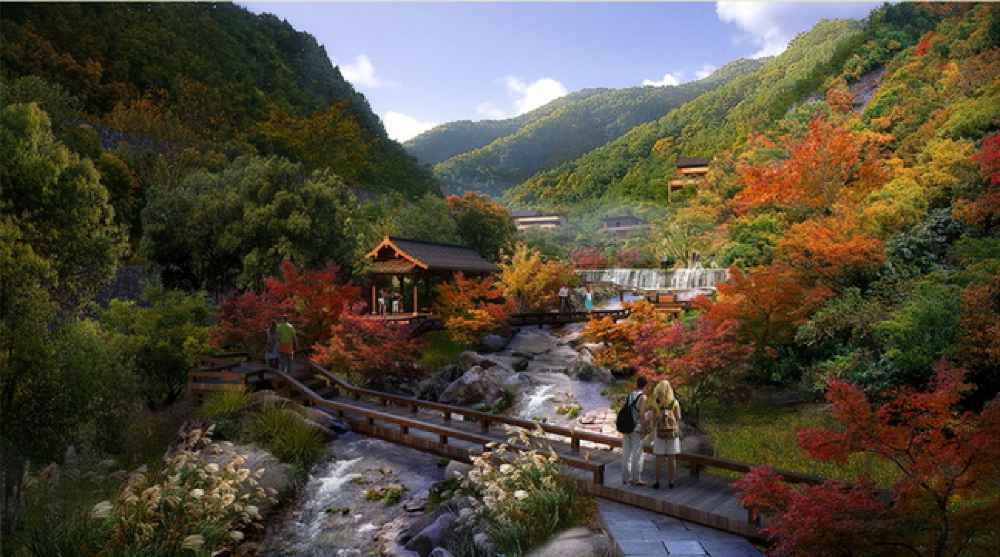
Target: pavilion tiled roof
[402,256]
[685,162]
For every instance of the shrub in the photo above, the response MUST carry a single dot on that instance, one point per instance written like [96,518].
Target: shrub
[188,506]
[282,432]
[526,495]
[226,410]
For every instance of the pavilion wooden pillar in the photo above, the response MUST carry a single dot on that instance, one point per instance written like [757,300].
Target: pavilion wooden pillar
[416,290]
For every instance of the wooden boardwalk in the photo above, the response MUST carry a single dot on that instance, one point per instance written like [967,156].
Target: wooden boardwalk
[459,433]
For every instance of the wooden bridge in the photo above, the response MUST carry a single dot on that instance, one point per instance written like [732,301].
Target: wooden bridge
[456,433]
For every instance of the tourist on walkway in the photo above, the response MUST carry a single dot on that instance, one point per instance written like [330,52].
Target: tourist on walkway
[381,301]
[271,348]
[564,299]
[632,442]
[666,431]
[588,299]
[287,344]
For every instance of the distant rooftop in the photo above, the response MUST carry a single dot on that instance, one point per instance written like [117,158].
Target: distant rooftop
[686,162]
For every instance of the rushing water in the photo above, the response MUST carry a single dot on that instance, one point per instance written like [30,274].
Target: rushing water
[332,517]
[658,279]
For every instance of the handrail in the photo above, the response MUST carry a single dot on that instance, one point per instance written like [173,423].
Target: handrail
[485,419]
[596,468]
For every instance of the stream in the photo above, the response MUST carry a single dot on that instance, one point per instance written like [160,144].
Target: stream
[332,516]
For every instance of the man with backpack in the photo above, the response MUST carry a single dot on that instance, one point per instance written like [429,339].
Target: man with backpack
[631,424]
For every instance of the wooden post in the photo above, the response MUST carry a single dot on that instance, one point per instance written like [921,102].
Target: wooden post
[374,307]
[416,290]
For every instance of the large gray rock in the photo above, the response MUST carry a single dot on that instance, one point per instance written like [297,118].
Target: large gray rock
[452,507]
[532,342]
[576,542]
[475,387]
[693,442]
[492,343]
[585,369]
[430,538]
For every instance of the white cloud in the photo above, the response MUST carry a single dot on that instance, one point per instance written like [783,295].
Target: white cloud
[668,79]
[770,26]
[402,127]
[529,96]
[490,111]
[705,71]
[362,73]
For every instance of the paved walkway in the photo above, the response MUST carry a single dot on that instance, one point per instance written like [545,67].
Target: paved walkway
[640,533]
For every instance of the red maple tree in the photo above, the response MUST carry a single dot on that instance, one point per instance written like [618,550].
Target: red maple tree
[370,352]
[945,502]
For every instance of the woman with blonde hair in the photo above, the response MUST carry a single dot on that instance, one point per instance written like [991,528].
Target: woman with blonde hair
[666,419]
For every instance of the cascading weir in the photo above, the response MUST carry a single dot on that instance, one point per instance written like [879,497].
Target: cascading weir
[657,279]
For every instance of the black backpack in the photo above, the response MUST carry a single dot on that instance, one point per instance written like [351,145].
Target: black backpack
[625,422]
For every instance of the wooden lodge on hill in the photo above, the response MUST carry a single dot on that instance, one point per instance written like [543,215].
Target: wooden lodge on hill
[691,171]
[625,226]
[534,218]
[404,267]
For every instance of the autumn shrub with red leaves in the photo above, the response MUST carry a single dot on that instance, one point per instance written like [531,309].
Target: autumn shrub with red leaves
[371,352]
[945,503]
[588,258]
[703,360]
[312,298]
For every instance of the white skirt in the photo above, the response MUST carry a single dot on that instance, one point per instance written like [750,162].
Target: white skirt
[666,446]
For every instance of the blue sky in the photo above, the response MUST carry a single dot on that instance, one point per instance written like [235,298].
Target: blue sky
[422,64]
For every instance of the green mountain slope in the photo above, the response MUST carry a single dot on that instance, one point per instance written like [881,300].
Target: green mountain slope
[562,131]
[454,138]
[215,66]
[628,169]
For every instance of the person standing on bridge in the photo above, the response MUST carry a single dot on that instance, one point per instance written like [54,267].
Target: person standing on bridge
[632,442]
[286,344]
[666,431]
[564,299]
[588,299]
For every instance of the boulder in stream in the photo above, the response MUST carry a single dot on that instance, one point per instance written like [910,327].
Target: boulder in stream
[475,387]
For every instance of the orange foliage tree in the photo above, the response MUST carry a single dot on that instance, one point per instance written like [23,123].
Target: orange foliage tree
[945,502]
[617,339]
[832,251]
[483,224]
[530,281]
[473,307]
[983,212]
[768,303]
[830,166]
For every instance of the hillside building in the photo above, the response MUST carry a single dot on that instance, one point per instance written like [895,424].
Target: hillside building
[691,171]
[535,219]
[623,227]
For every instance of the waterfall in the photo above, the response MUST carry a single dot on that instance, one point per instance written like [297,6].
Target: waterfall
[657,279]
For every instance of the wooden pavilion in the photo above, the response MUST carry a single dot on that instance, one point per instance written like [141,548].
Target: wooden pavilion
[422,264]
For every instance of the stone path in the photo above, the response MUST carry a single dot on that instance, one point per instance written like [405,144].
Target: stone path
[639,533]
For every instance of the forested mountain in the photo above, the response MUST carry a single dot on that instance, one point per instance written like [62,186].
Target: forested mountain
[638,165]
[454,138]
[208,76]
[502,154]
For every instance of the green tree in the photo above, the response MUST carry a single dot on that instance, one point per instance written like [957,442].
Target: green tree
[238,225]
[161,340]
[57,200]
[58,243]
[483,224]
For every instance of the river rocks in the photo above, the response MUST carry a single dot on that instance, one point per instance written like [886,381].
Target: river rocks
[476,387]
[583,368]
[492,343]
[431,537]
[576,542]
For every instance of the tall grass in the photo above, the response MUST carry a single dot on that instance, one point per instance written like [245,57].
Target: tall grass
[282,431]
[766,433]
